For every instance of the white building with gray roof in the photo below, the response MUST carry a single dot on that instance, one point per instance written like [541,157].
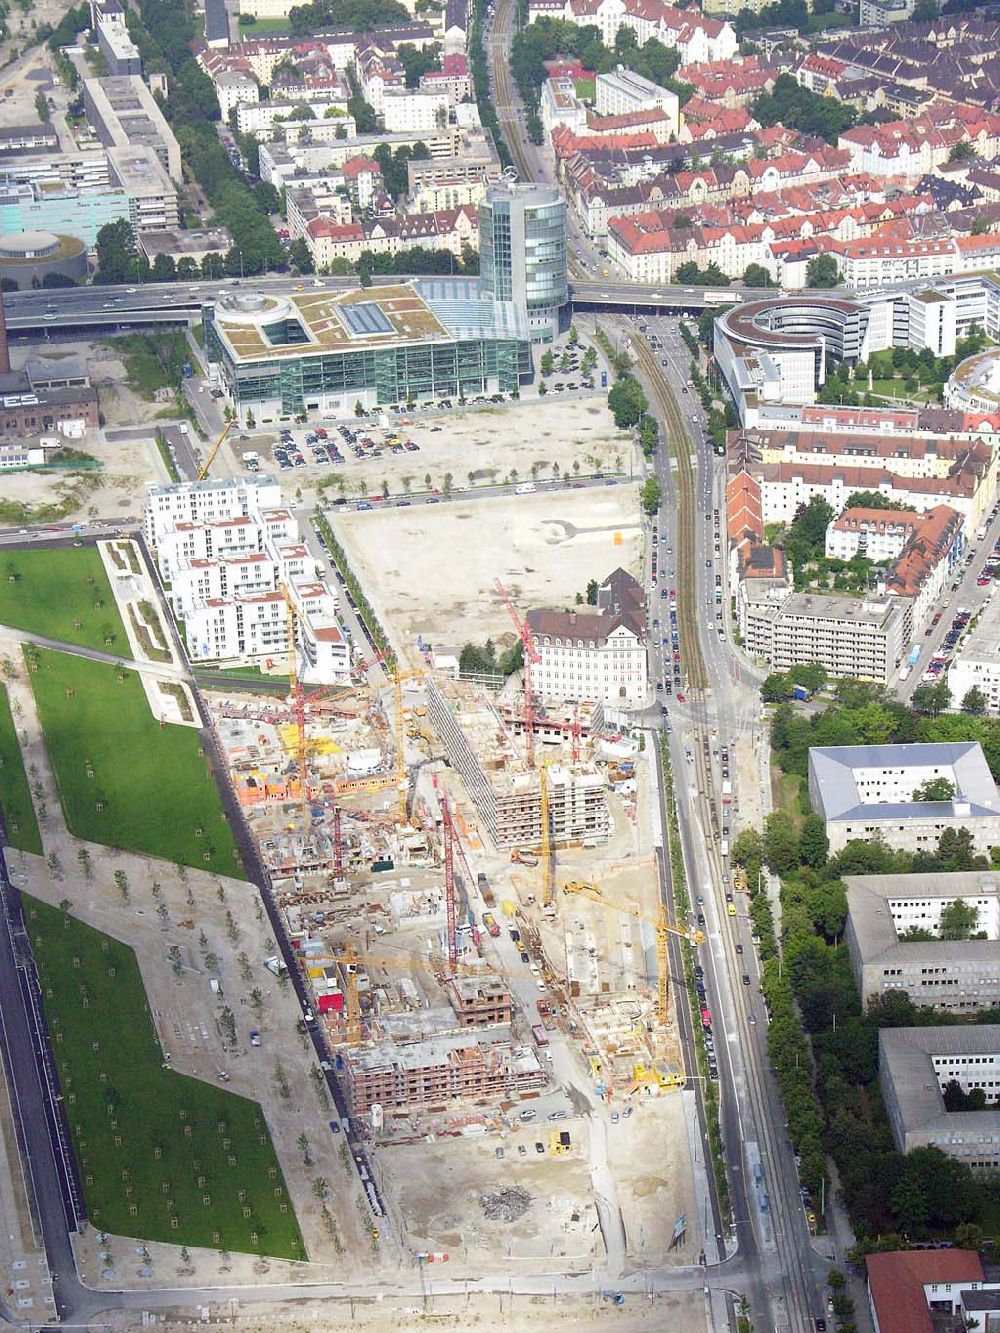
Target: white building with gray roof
[866,791]
[960,975]
[916,1064]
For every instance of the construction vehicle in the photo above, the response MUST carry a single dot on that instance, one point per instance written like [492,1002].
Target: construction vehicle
[215,449]
[582,887]
[520,858]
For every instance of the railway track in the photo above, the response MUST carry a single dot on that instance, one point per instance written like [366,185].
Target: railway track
[679,442]
[505,92]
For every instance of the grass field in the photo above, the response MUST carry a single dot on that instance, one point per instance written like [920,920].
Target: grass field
[15,798]
[147,1139]
[155,791]
[63,595]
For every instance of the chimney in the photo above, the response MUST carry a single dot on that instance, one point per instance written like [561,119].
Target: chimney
[4,353]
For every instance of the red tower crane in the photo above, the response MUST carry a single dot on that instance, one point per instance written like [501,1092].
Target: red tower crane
[338,843]
[531,657]
[574,732]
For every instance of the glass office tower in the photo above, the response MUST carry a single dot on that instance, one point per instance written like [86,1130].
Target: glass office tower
[522,251]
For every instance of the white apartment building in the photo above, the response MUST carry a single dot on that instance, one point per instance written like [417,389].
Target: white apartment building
[977,662]
[621,92]
[227,552]
[877,534]
[408,112]
[863,791]
[594,654]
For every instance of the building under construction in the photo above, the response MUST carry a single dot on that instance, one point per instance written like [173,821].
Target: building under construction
[505,790]
[466,1066]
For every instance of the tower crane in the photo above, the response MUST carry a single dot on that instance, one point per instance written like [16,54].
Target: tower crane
[531,658]
[547,848]
[215,449]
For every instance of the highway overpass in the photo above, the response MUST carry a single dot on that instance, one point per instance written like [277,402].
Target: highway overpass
[86,309]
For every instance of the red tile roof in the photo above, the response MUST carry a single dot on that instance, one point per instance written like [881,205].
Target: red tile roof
[896,1282]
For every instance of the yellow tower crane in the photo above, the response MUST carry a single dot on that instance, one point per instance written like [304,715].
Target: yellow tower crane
[547,851]
[215,449]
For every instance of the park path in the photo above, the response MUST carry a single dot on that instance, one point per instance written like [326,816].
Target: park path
[185,1014]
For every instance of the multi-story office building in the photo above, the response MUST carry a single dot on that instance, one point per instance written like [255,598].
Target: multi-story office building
[960,975]
[152,195]
[325,351]
[522,252]
[124,114]
[864,791]
[917,1064]
[61,210]
[121,55]
[851,637]
[977,662]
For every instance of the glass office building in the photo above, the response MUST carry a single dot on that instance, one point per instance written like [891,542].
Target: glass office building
[522,252]
[322,353]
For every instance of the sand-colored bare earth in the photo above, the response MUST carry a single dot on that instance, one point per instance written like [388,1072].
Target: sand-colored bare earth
[430,569]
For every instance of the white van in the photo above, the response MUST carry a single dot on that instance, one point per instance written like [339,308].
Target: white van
[525,488]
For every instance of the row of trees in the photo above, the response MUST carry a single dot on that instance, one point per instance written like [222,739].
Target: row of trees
[814,990]
[863,714]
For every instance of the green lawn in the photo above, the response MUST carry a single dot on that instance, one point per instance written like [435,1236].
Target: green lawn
[154,788]
[586,89]
[15,798]
[62,594]
[146,1138]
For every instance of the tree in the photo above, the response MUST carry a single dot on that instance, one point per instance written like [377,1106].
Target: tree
[650,494]
[164,269]
[814,845]
[781,842]
[115,244]
[958,920]
[925,11]
[931,699]
[299,256]
[627,401]
[747,847]
[974,701]
[592,590]
[823,271]
[962,151]
[756,275]
[800,109]
[934,789]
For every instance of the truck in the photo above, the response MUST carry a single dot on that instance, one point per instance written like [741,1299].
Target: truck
[727,791]
[489,921]
[485,892]
[800,693]
[251,461]
[540,1035]
[981,532]
[724,847]
[914,655]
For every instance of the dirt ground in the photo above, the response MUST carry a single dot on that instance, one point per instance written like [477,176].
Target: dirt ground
[440,1188]
[496,1312]
[431,571]
[119,488]
[651,1162]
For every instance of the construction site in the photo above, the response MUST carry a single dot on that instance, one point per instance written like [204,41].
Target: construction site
[467,873]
